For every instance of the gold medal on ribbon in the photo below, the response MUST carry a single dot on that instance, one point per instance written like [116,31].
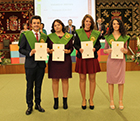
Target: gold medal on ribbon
[92,39]
[67,35]
[110,41]
[42,41]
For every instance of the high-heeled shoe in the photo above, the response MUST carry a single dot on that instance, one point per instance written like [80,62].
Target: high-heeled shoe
[121,107]
[112,106]
[84,107]
[90,106]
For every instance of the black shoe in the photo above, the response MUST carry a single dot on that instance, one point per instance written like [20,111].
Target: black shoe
[55,103]
[39,108]
[84,107]
[91,106]
[28,111]
[65,105]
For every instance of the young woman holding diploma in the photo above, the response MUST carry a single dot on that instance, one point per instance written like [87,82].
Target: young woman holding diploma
[88,66]
[116,67]
[60,69]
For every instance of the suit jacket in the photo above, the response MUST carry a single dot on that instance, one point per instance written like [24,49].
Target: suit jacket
[67,29]
[102,28]
[25,49]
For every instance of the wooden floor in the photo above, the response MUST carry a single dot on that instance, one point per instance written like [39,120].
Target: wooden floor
[19,68]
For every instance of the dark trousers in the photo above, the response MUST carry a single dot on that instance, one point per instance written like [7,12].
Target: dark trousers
[34,77]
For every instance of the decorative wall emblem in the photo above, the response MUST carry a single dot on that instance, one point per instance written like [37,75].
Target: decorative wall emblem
[116,14]
[12,17]
[13,23]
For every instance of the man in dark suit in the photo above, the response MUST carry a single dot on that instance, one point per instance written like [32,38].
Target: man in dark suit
[34,69]
[70,28]
[101,27]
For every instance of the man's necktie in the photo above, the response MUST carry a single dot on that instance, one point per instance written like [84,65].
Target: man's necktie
[99,27]
[70,30]
[36,36]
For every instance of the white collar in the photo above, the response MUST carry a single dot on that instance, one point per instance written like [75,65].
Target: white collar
[35,32]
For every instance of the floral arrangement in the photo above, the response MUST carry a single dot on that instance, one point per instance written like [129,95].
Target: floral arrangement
[4,61]
[136,57]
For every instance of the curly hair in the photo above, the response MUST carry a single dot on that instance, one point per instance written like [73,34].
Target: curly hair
[92,21]
[122,29]
[59,21]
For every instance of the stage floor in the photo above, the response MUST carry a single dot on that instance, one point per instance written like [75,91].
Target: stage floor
[19,68]
[13,103]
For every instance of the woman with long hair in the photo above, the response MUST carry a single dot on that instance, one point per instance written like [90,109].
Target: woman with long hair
[116,67]
[88,66]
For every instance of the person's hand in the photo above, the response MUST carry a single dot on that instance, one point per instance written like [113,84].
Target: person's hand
[102,32]
[33,51]
[81,50]
[108,51]
[51,50]
[123,50]
[48,50]
[93,49]
[67,51]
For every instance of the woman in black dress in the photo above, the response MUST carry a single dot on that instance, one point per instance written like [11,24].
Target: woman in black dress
[60,69]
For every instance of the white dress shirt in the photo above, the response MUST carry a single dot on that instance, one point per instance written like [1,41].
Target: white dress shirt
[35,37]
[37,33]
